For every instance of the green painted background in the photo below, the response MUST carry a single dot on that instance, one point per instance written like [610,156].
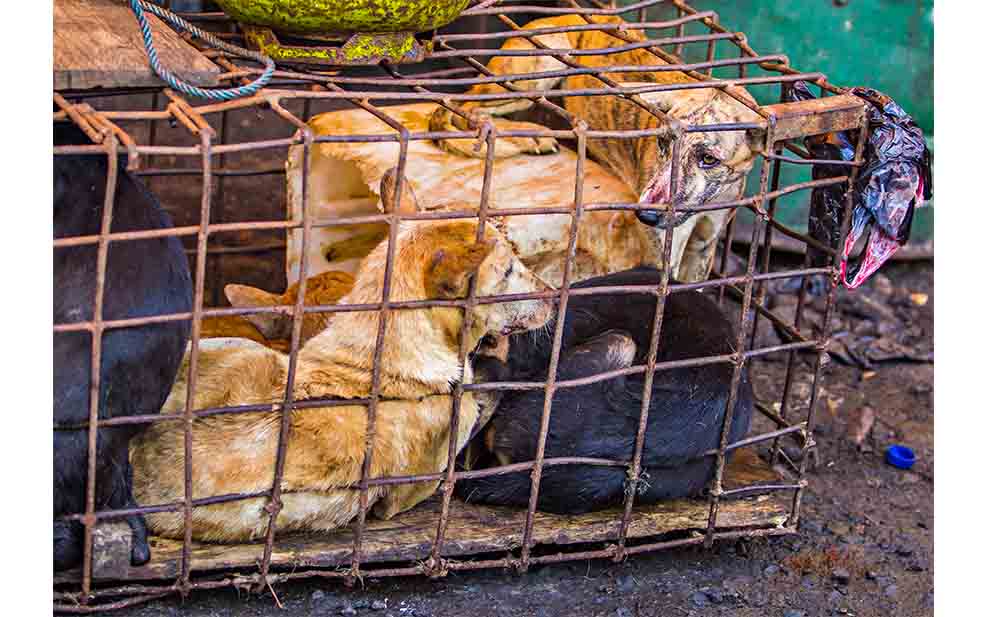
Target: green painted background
[883,44]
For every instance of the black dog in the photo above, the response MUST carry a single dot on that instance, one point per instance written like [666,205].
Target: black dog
[603,333]
[138,365]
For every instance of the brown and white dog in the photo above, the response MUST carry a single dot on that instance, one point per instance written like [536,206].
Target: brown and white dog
[418,369]
[711,167]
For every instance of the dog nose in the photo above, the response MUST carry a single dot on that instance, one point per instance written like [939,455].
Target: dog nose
[662,220]
[648,217]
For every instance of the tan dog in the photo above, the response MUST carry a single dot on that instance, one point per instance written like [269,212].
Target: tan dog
[712,165]
[419,365]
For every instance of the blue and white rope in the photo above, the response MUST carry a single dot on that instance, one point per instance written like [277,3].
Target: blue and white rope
[227,94]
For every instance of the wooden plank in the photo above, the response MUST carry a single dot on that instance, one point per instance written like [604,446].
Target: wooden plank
[815,116]
[97,44]
[111,549]
[476,529]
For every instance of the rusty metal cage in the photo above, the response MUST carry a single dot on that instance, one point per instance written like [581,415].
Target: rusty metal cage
[234,159]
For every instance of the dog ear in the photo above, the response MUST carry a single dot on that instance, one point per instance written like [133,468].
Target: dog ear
[407,203]
[451,267]
[271,325]
[756,140]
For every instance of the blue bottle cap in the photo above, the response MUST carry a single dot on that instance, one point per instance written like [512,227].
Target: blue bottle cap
[900,456]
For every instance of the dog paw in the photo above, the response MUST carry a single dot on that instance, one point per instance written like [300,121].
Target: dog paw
[140,552]
[540,145]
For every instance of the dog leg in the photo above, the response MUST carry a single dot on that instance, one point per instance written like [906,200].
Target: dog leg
[444,120]
[431,459]
[504,147]
[68,537]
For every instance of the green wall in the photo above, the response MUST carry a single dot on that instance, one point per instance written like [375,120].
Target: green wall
[883,44]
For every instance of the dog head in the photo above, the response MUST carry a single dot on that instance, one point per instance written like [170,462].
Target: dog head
[711,166]
[452,257]
[458,257]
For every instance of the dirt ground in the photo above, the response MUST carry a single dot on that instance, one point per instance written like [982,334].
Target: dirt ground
[865,547]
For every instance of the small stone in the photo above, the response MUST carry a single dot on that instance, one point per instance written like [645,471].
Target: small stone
[811,526]
[317,595]
[771,570]
[715,595]
[904,550]
[348,609]
[838,528]
[699,599]
[841,575]
[881,283]
[917,564]
[359,604]
[871,575]
[835,597]
[379,605]
[624,612]
[891,591]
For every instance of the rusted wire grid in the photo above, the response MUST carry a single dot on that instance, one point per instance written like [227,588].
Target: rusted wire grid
[96,337]
[152,592]
[750,202]
[435,563]
[834,282]
[275,504]
[550,386]
[197,307]
[855,165]
[653,349]
[774,154]
[717,484]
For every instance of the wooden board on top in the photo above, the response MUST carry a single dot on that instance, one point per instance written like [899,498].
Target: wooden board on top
[476,529]
[98,44]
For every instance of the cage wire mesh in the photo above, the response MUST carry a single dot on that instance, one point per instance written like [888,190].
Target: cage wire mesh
[219,169]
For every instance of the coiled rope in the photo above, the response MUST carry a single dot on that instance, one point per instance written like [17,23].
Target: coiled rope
[226,94]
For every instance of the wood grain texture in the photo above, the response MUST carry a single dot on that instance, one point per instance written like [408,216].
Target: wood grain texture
[97,44]
[475,529]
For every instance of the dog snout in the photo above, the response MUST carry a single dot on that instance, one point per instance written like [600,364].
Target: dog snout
[648,217]
[662,220]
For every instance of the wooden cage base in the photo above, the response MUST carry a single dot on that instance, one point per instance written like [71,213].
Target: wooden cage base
[472,529]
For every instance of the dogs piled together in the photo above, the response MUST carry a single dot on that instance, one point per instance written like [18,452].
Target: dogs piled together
[242,361]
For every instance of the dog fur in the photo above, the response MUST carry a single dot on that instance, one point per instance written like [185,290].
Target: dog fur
[418,369]
[274,330]
[712,166]
[600,420]
[138,364]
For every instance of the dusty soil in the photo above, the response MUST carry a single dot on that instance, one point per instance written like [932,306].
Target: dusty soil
[865,547]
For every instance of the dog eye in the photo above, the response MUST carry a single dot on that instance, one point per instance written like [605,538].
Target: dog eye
[708,160]
[511,268]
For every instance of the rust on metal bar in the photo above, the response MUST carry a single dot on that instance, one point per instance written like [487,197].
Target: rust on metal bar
[802,118]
